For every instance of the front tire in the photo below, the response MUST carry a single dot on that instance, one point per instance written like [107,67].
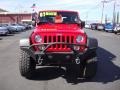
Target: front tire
[115,32]
[87,68]
[26,65]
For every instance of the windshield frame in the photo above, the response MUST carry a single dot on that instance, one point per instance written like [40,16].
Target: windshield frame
[71,16]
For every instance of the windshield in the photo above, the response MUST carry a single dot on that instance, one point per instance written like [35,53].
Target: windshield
[58,17]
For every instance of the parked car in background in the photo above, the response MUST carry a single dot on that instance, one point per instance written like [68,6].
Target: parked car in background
[87,26]
[12,28]
[94,26]
[8,28]
[25,26]
[109,27]
[21,26]
[3,30]
[100,26]
[16,28]
[27,23]
[117,29]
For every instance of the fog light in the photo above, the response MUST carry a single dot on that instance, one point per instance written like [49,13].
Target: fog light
[41,47]
[76,48]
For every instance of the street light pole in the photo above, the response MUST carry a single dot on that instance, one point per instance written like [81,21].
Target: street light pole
[114,15]
[114,10]
[86,16]
[102,10]
[103,3]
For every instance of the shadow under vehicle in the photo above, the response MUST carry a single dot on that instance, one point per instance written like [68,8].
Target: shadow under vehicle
[107,71]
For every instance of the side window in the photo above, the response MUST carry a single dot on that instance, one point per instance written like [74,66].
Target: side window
[66,20]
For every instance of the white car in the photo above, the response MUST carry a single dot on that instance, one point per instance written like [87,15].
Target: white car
[87,26]
[100,27]
[3,30]
[117,29]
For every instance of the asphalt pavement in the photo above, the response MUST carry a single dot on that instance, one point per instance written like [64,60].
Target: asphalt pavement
[52,78]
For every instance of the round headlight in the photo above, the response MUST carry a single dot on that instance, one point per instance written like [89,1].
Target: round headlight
[79,39]
[38,38]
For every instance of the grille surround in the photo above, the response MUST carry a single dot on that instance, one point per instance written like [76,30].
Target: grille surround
[59,38]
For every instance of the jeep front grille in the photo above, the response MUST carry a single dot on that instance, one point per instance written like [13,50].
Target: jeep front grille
[66,39]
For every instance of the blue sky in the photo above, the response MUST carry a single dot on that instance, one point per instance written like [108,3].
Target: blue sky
[88,9]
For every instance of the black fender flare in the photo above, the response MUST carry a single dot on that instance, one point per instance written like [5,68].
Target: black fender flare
[92,43]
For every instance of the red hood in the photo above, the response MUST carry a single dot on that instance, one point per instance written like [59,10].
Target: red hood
[58,28]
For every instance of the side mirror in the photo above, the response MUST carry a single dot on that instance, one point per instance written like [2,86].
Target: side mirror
[82,24]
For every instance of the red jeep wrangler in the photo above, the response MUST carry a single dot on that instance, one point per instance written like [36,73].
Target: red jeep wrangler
[59,40]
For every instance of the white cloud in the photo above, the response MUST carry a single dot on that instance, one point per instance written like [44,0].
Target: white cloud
[67,3]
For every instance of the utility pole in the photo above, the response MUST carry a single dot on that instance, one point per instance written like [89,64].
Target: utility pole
[114,13]
[117,17]
[103,5]
[102,10]
[86,16]
[106,19]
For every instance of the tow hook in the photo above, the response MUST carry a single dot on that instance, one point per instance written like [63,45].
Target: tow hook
[40,60]
[77,60]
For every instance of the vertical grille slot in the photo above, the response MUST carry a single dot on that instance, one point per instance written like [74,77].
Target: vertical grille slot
[68,39]
[63,40]
[72,39]
[50,39]
[59,40]
[54,40]
[45,39]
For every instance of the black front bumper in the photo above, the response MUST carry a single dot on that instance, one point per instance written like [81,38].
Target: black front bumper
[56,57]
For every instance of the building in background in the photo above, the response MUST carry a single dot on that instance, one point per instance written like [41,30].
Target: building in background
[8,17]
[2,10]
